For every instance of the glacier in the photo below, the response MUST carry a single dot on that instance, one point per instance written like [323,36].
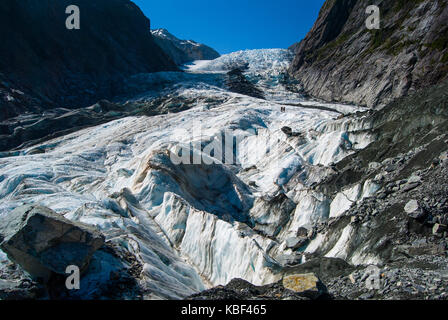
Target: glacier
[193,226]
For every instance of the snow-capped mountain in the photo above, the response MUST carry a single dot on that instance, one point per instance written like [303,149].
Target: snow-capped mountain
[182,51]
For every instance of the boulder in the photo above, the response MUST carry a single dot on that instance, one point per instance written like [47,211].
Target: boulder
[43,242]
[414,179]
[414,210]
[307,283]
[438,228]
[303,232]
[290,133]
[410,186]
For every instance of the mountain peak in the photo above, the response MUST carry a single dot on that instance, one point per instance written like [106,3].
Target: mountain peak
[162,32]
[182,51]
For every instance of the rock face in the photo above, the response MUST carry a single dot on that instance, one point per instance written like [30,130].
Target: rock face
[42,241]
[43,64]
[341,60]
[183,51]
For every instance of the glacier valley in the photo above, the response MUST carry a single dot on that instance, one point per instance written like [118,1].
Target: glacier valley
[189,227]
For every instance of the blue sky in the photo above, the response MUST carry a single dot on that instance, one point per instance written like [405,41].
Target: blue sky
[232,25]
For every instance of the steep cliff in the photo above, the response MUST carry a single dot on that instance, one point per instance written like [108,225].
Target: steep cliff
[182,51]
[43,64]
[341,60]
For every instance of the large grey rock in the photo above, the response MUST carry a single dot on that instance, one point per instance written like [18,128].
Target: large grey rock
[413,209]
[410,186]
[438,228]
[42,241]
[303,232]
[414,179]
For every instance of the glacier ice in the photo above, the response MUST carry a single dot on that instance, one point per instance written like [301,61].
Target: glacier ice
[197,225]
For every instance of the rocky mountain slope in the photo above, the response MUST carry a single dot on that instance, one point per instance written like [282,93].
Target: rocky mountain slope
[182,51]
[341,60]
[44,65]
